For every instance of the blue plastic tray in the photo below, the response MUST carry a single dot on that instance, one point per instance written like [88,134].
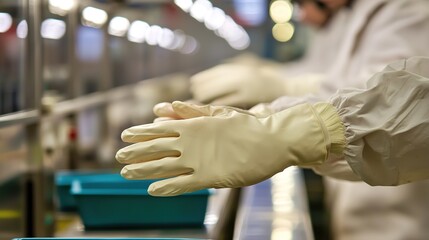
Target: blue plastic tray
[64,180]
[118,203]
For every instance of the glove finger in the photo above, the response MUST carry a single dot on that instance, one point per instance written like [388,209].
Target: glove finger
[208,75]
[205,110]
[216,88]
[207,93]
[262,110]
[174,186]
[147,151]
[190,110]
[165,109]
[163,168]
[235,100]
[151,131]
[162,119]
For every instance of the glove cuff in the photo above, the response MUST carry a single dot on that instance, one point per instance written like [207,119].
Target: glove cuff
[334,127]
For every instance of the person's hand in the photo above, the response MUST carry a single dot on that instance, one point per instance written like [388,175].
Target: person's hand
[262,110]
[227,147]
[238,84]
[166,111]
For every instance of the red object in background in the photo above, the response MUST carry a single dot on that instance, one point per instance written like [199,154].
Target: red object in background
[170,13]
[73,134]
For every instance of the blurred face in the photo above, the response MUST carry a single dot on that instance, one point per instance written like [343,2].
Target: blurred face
[318,12]
[313,15]
[334,4]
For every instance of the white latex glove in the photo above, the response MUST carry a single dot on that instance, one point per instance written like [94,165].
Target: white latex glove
[165,111]
[227,148]
[262,110]
[241,85]
[245,85]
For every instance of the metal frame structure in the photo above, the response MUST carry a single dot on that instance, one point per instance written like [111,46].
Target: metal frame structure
[29,118]
[39,210]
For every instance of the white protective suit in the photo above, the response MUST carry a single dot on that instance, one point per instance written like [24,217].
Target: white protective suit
[387,135]
[356,44]
[386,127]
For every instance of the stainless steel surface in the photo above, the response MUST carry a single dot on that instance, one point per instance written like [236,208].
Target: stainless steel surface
[14,49]
[275,209]
[78,104]
[91,52]
[39,203]
[162,88]
[20,151]
[34,64]
[71,49]
[57,57]
[89,101]
[23,117]
[13,179]
[13,152]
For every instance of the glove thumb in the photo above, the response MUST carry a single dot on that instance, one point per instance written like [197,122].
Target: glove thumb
[262,110]
[165,110]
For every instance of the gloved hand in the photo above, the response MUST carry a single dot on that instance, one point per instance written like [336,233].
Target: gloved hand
[262,110]
[165,111]
[247,84]
[224,147]
[240,85]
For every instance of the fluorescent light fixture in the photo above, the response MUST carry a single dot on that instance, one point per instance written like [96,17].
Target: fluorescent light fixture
[190,45]
[22,29]
[281,11]
[153,35]
[137,31]
[118,26]
[5,22]
[179,40]
[94,17]
[61,7]
[215,19]
[166,38]
[241,43]
[234,34]
[53,28]
[229,29]
[200,9]
[185,5]
[283,32]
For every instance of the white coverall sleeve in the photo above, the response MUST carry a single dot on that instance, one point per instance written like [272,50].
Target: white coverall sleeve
[396,30]
[387,124]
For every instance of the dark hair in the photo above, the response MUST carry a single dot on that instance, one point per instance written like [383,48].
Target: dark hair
[320,4]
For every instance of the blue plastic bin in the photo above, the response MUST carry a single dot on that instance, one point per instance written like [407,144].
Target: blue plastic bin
[64,180]
[116,203]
